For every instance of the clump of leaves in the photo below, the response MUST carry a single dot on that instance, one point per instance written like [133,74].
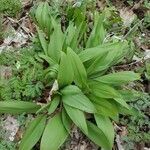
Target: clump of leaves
[78,67]
[26,79]
[10,8]
[7,145]
[137,126]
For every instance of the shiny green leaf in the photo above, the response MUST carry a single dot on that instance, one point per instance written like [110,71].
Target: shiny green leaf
[106,126]
[98,136]
[38,13]
[70,90]
[77,116]
[42,40]
[54,104]
[118,78]
[80,76]
[56,42]
[79,101]
[65,73]
[105,106]
[18,107]
[104,91]
[93,52]
[98,32]
[66,121]
[33,133]
[54,134]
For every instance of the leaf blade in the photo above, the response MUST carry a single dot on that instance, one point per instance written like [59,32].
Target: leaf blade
[65,73]
[16,107]
[77,116]
[118,78]
[54,103]
[106,126]
[42,40]
[93,52]
[97,136]
[79,101]
[80,75]
[56,42]
[52,139]
[33,133]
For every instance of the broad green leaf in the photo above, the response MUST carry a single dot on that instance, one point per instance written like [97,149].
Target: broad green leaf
[79,101]
[54,134]
[133,111]
[56,42]
[66,121]
[38,14]
[98,64]
[93,52]
[46,19]
[104,106]
[33,133]
[77,36]
[65,73]
[122,102]
[129,95]
[54,104]
[47,58]
[70,90]
[107,110]
[102,62]
[42,40]
[53,68]
[98,33]
[98,136]
[102,90]
[17,107]
[72,36]
[118,78]
[80,76]
[105,61]
[120,54]
[106,126]
[70,32]
[77,116]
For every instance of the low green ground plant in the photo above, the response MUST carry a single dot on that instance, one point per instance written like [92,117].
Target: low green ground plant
[77,64]
[137,126]
[24,75]
[10,8]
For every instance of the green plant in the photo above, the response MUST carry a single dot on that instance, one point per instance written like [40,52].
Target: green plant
[26,80]
[147,73]
[10,8]
[78,67]
[137,126]
[7,145]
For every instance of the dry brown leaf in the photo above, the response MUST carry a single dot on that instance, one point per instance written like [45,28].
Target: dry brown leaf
[127,15]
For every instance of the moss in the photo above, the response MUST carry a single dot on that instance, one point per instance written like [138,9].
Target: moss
[10,7]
